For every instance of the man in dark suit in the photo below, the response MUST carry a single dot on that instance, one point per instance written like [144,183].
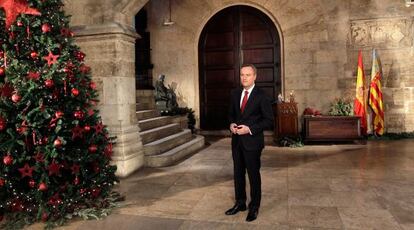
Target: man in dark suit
[250,113]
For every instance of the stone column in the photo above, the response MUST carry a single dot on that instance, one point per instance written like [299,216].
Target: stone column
[110,52]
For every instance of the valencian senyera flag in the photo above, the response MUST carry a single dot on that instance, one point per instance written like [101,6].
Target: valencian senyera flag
[360,102]
[375,96]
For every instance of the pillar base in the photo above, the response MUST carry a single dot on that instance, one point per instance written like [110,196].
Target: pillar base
[128,151]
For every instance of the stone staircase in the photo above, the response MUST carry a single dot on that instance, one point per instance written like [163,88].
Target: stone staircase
[166,139]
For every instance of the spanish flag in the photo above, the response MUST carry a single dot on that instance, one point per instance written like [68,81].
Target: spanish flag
[360,104]
[375,96]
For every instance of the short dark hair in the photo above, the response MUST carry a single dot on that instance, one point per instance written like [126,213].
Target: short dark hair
[251,66]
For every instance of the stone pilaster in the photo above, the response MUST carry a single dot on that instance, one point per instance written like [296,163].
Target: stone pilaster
[110,52]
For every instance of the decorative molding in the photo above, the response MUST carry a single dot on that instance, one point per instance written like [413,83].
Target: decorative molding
[382,32]
[105,29]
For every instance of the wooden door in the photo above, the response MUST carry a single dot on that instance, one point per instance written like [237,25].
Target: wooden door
[235,36]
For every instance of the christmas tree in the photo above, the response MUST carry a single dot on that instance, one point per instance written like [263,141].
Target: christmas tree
[54,150]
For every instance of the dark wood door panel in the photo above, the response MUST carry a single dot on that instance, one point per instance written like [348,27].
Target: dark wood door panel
[254,56]
[234,36]
[265,74]
[220,78]
[252,20]
[225,39]
[217,95]
[219,58]
[255,37]
[217,118]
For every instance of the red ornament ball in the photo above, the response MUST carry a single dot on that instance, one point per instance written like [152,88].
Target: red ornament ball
[78,114]
[49,83]
[3,124]
[96,168]
[2,182]
[79,55]
[92,85]
[2,72]
[32,183]
[82,191]
[45,28]
[16,98]
[57,143]
[45,216]
[8,160]
[75,92]
[19,23]
[59,114]
[87,128]
[42,187]
[1,54]
[93,148]
[16,205]
[96,192]
[34,54]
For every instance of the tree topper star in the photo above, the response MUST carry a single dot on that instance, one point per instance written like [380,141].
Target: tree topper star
[13,8]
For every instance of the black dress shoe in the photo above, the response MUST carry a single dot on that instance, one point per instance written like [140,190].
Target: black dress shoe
[252,215]
[236,208]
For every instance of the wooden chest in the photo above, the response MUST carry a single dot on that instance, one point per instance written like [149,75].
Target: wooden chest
[332,128]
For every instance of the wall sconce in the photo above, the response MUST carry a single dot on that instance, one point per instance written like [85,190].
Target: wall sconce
[168,22]
[409,3]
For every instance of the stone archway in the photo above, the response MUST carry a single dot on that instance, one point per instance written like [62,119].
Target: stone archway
[234,36]
[105,33]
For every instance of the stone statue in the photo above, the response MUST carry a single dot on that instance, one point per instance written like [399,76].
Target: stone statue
[165,98]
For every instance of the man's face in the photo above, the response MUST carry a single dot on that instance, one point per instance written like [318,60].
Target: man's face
[247,77]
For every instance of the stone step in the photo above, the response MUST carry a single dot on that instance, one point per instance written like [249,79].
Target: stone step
[142,99]
[145,93]
[144,106]
[159,132]
[146,114]
[162,145]
[176,154]
[154,122]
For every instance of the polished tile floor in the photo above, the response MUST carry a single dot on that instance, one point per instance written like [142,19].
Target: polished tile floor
[315,187]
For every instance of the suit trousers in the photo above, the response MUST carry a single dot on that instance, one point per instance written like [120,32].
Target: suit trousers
[250,160]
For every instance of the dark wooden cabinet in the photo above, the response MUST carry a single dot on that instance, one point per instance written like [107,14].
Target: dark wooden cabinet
[286,120]
[331,128]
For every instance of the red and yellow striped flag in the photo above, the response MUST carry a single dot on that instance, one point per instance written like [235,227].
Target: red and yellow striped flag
[360,104]
[375,96]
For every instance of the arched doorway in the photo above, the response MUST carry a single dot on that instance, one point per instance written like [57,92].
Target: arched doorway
[232,37]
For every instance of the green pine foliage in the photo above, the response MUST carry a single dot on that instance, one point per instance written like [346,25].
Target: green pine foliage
[291,142]
[183,111]
[341,107]
[392,136]
[54,150]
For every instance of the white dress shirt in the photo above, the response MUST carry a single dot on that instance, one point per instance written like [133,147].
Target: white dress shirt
[248,95]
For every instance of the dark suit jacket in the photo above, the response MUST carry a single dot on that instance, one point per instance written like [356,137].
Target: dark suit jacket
[257,115]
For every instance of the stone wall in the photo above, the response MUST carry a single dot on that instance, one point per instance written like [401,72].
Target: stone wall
[320,40]
[388,27]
